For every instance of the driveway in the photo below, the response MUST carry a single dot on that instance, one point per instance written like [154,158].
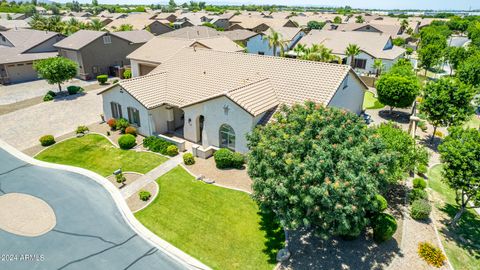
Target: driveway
[89,233]
[24,127]
[22,91]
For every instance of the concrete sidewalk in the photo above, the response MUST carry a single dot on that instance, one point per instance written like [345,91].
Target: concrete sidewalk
[151,176]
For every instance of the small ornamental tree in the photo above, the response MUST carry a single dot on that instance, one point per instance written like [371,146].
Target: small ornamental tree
[397,91]
[469,70]
[447,102]
[318,167]
[460,153]
[56,70]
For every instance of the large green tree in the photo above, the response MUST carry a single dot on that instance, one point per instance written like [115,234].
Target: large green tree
[397,90]
[447,102]
[318,167]
[469,70]
[430,56]
[315,25]
[460,154]
[455,56]
[56,70]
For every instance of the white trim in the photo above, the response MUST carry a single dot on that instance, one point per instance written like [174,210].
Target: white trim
[122,206]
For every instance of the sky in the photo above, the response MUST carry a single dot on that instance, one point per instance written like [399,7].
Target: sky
[370,4]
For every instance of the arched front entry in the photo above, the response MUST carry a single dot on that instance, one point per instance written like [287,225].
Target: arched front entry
[200,123]
[227,137]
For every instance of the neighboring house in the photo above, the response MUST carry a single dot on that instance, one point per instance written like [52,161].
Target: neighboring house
[259,43]
[214,99]
[160,49]
[98,52]
[18,50]
[6,24]
[195,32]
[12,16]
[372,46]
[393,30]
[141,21]
[258,24]
[182,23]
[240,36]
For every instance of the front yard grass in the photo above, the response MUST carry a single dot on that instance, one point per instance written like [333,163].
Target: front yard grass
[94,152]
[463,243]
[370,102]
[222,228]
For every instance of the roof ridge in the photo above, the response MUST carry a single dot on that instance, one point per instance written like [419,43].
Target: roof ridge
[246,85]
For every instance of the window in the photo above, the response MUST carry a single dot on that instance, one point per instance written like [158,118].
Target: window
[227,137]
[359,63]
[261,53]
[107,39]
[116,110]
[133,116]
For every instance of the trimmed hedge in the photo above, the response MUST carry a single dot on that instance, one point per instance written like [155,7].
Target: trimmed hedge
[380,203]
[72,89]
[127,141]
[47,140]
[420,209]
[419,183]
[431,254]
[156,144]
[416,194]
[102,79]
[188,159]
[144,195]
[226,159]
[172,150]
[384,227]
[131,130]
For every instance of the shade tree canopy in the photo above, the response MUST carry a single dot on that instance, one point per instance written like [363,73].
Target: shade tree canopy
[56,70]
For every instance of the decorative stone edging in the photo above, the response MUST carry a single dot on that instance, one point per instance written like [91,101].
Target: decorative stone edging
[121,205]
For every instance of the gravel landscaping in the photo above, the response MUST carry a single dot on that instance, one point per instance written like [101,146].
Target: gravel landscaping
[134,202]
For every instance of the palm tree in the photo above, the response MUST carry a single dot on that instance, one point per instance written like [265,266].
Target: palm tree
[96,24]
[404,25]
[124,27]
[378,66]
[352,50]
[300,50]
[275,40]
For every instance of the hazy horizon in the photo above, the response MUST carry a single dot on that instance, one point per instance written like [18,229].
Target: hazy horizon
[362,4]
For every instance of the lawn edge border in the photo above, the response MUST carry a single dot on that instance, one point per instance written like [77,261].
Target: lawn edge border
[170,250]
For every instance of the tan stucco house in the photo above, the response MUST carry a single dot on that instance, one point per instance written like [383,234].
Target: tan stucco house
[214,99]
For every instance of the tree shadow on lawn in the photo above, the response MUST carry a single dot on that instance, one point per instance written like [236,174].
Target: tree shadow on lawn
[311,252]
[467,233]
[396,116]
[274,234]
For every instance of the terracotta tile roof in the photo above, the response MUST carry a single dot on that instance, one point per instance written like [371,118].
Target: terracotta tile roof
[255,82]
[371,43]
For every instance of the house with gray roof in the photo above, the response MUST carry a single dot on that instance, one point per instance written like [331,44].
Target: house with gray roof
[214,98]
[19,48]
[98,52]
[259,43]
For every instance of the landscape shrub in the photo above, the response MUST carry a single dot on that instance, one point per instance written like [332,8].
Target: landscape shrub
[131,130]
[112,123]
[380,203]
[384,227]
[223,158]
[72,89]
[144,195]
[51,93]
[422,125]
[120,178]
[127,74]
[237,160]
[188,159]
[47,97]
[122,125]
[419,183]
[156,144]
[127,141]
[431,254]
[47,140]
[102,79]
[420,209]
[416,194]
[82,129]
[422,169]
[172,150]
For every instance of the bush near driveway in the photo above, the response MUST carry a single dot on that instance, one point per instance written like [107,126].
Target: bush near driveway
[102,79]
[127,141]
[47,140]
[222,228]
[96,153]
[72,89]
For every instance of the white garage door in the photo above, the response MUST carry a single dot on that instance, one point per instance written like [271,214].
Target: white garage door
[21,72]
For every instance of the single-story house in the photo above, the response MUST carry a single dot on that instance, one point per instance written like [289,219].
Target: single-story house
[19,48]
[98,52]
[12,16]
[259,24]
[215,99]
[160,49]
[372,46]
[240,36]
[141,21]
[393,30]
[6,24]
[258,44]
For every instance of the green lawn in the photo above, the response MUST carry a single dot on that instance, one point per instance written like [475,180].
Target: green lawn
[473,123]
[462,255]
[96,153]
[370,102]
[220,227]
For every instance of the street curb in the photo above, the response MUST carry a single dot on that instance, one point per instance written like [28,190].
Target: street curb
[135,225]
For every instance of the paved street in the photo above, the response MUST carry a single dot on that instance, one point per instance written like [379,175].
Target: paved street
[24,127]
[89,233]
[22,91]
